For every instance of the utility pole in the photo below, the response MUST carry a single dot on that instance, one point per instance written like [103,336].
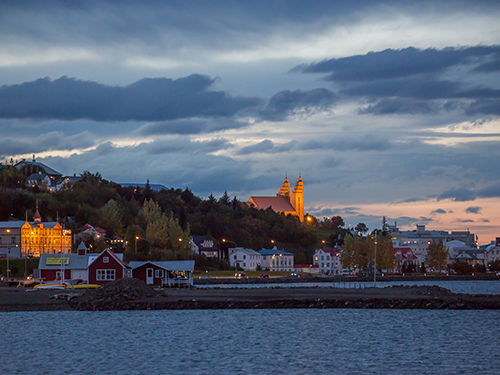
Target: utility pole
[375,270]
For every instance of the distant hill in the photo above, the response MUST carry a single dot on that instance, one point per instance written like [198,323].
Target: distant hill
[155,187]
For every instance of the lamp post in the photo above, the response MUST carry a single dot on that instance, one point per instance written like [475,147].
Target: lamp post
[183,240]
[235,245]
[145,239]
[375,270]
[273,242]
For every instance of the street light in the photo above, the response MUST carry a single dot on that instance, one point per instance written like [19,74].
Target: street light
[273,242]
[145,239]
[235,245]
[189,242]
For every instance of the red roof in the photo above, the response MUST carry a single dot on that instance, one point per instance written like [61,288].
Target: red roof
[404,253]
[330,251]
[277,203]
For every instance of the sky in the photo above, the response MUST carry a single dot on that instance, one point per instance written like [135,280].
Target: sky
[384,108]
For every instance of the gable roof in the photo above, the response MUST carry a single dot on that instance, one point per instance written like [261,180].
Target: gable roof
[204,243]
[53,261]
[171,265]
[328,250]
[48,170]
[273,252]
[113,255]
[277,203]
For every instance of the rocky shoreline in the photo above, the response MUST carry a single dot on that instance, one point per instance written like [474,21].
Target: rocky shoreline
[132,294]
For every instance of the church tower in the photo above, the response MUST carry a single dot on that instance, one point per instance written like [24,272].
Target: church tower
[297,198]
[285,189]
[37,218]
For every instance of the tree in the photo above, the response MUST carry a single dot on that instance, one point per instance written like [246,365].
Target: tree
[348,253]
[436,256]
[361,228]
[385,252]
[225,199]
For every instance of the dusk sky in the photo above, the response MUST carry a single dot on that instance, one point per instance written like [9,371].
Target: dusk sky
[383,107]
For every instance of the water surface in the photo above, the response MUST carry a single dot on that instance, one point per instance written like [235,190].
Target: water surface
[275,341]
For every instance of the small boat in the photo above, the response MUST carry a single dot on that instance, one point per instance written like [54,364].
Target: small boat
[50,286]
[82,286]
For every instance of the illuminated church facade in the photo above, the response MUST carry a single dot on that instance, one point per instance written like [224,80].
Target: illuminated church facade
[285,201]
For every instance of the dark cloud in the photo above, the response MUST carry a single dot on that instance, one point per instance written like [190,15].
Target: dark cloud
[412,81]
[465,221]
[484,107]
[401,106]
[484,221]
[344,144]
[458,195]
[463,194]
[473,210]
[150,99]
[46,142]
[438,211]
[490,191]
[390,64]
[286,103]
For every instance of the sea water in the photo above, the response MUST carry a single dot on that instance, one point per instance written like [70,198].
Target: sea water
[267,341]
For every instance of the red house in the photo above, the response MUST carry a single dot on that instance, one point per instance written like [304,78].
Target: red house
[169,273]
[107,267]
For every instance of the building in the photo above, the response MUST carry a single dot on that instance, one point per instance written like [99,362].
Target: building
[34,238]
[328,261]
[492,252]
[286,202]
[246,259]
[92,268]
[48,179]
[106,267]
[418,240]
[164,273]
[99,234]
[204,246]
[45,177]
[403,257]
[276,260]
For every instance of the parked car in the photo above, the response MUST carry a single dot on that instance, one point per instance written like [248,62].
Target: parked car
[239,274]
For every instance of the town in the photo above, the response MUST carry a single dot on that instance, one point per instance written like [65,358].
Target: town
[166,248]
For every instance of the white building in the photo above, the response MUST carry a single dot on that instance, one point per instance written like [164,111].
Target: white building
[492,252]
[246,259]
[276,260]
[328,261]
[418,240]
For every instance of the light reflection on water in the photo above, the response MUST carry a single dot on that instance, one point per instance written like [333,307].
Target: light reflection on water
[281,341]
[456,286]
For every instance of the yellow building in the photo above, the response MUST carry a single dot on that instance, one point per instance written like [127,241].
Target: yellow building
[33,238]
[285,201]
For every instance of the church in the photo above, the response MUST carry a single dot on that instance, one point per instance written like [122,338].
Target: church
[285,201]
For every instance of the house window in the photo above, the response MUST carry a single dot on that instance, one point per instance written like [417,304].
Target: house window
[105,275]
[235,257]
[105,259]
[13,240]
[159,274]
[244,257]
